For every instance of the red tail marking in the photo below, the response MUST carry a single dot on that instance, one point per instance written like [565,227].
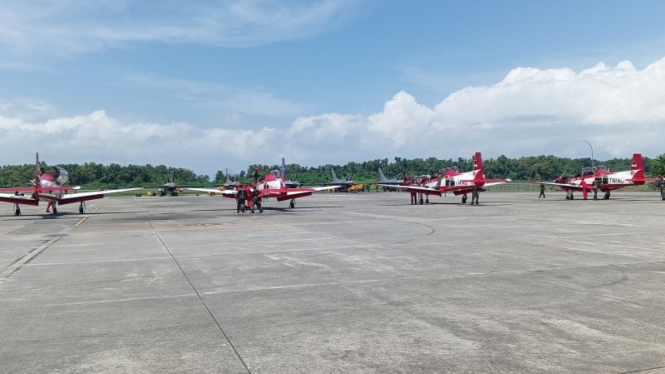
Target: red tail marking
[637,165]
[478,165]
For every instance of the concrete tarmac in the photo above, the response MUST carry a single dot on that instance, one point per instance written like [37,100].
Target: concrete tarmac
[343,283]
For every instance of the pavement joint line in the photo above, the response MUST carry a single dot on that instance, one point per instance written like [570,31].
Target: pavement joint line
[642,370]
[31,255]
[86,217]
[219,326]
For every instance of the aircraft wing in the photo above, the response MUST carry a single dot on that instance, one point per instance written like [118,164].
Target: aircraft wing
[225,193]
[495,182]
[418,189]
[564,185]
[322,188]
[11,198]
[85,196]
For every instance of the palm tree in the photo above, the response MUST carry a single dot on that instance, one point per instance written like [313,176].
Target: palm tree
[658,165]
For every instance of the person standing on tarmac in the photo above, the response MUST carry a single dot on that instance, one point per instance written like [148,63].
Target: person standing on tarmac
[595,190]
[542,191]
[256,198]
[475,196]
[661,186]
[241,196]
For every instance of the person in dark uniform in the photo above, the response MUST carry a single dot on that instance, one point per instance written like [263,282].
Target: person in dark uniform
[241,196]
[475,196]
[542,191]
[256,198]
[595,190]
[255,175]
[661,186]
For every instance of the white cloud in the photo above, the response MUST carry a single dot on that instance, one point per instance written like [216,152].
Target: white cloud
[233,100]
[620,109]
[73,26]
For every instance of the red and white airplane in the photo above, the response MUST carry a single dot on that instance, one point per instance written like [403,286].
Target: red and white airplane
[453,181]
[46,187]
[604,179]
[273,185]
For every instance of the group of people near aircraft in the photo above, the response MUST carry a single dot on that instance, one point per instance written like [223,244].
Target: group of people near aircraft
[274,185]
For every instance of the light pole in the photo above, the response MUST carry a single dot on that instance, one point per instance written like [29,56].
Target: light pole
[591,152]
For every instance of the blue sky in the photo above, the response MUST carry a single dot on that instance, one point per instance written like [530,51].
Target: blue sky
[228,83]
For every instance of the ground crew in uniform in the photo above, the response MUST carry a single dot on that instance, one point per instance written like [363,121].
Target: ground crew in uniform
[595,190]
[542,191]
[255,175]
[241,196]
[475,196]
[256,198]
[661,185]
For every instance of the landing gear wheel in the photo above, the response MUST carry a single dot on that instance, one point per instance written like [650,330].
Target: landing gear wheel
[463,199]
[55,209]
[17,210]
[252,209]
[427,200]
[292,204]
[607,196]
[420,201]
[81,208]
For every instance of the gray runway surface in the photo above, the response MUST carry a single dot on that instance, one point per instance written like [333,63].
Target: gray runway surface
[344,283]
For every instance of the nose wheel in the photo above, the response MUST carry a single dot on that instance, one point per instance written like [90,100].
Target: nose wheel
[292,204]
[82,207]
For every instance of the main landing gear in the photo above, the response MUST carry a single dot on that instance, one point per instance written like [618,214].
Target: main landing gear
[17,210]
[569,195]
[464,199]
[81,207]
[292,204]
[606,196]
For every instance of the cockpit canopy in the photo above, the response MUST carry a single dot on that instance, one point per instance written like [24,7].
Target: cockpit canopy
[454,168]
[592,170]
[276,173]
[63,175]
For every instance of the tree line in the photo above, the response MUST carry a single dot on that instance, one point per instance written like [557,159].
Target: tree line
[533,168]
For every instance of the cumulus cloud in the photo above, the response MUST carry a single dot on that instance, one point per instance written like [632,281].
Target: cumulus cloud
[620,109]
[73,26]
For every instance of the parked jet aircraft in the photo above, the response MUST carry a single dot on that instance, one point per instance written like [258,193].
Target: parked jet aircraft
[273,185]
[293,182]
[605,180]
[170,187]
[385,181]
[46,187]
[453,181]
[229,184]
[342,185]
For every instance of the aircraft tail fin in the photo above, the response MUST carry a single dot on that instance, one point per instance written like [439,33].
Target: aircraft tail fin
[637,165]
[382,178]
[332,173]
[348,176]
[171,178]
[478,166]
[38,171]
[282,170]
